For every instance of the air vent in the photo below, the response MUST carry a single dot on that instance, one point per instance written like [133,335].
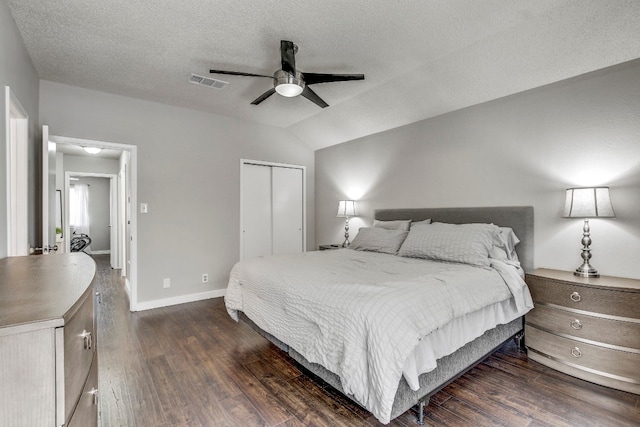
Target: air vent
[207,81]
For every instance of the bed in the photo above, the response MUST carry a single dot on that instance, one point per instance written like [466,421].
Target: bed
[343,315]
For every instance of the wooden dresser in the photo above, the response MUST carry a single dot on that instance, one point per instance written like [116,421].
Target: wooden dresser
[588,328]
[48,358]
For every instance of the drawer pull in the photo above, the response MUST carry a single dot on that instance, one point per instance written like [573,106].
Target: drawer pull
[575,352]
[94,396]
[87,338]
[575,324]
[575,297]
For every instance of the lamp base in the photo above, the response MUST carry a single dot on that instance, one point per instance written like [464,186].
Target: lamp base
[346,243]
[586,270]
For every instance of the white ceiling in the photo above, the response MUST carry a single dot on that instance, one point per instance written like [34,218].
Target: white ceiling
[421,58]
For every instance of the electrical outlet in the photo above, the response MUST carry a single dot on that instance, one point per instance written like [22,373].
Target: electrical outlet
[166,283]
[205,278]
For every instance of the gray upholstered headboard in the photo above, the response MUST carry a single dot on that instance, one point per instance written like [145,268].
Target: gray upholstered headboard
[519,218]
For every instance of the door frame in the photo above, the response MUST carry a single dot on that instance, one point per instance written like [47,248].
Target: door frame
[304,196]
[132,269]
[114,246]
[17,179]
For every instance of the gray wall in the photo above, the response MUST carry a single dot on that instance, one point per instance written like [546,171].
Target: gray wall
[17,72]
[99,212]
[188,173]
[520,150]
[90,164]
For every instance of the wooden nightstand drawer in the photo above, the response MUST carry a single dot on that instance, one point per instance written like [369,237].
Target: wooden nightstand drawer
[585,298]
[578,325]
[620,365]
[586,327]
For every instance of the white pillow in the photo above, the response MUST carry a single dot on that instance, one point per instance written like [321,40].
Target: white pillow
[462,243]
[378,240]
[423,222]
[505,245]
[393,225]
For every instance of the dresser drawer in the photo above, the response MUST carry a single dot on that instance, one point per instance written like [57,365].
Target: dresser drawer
[86,413]
[79,348]
[620,365]
[610,302]
[602,330]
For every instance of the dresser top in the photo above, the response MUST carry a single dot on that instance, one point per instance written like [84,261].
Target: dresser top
[617,283]
[42,288]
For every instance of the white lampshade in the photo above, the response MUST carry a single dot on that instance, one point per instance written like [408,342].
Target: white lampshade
[346,208]
[588,202]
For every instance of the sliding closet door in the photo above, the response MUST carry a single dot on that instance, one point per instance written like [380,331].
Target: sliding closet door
[256,211]
[287,210]
[272,210]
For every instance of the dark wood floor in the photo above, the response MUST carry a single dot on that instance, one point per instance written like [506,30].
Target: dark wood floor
[191,365]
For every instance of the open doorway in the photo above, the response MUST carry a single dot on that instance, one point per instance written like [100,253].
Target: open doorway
[116,164]
[92,207]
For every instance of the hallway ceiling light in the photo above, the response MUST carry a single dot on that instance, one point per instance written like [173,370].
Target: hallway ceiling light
[92,150]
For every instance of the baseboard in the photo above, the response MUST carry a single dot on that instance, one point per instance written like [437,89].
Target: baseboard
[103,252]
[165,302]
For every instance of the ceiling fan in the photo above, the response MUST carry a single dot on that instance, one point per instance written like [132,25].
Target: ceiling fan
[290,82]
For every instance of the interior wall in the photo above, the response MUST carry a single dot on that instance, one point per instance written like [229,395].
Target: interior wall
[188,174]
[88,164]
[17,72]
[99,212]
[520,150]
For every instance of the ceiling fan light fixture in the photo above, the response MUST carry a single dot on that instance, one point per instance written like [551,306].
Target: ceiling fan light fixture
[288,85]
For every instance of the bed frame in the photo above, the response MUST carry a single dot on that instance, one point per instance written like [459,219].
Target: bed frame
[520,219]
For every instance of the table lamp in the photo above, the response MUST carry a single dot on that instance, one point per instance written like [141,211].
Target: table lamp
[587,202]
[346,209]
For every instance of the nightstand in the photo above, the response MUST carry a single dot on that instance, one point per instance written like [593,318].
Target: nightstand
[586,327]
[329,247]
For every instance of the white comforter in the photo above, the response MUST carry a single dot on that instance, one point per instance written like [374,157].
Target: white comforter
[361,314]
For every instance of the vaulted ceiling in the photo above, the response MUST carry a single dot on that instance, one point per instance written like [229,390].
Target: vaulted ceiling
[421,58]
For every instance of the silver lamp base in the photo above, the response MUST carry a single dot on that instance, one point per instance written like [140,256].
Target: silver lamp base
[346,243]
[586,269]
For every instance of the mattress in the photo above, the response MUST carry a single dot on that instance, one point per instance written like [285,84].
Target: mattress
[456,333]
[370,317]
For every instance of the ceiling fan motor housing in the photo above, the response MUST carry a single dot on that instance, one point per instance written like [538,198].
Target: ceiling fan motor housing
[287,84]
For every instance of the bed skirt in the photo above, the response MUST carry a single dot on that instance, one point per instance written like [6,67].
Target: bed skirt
[449,367]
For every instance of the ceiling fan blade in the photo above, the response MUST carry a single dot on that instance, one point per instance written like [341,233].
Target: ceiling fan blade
[238,73]
[264,96]
[313,78]
[288,56]
[313,97]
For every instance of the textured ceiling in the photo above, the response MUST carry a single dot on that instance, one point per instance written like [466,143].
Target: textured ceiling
[421,58]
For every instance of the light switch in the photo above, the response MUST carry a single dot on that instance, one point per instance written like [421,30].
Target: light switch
[144,208]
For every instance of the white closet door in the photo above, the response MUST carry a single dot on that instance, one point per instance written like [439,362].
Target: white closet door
[256,211]
[287,210]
